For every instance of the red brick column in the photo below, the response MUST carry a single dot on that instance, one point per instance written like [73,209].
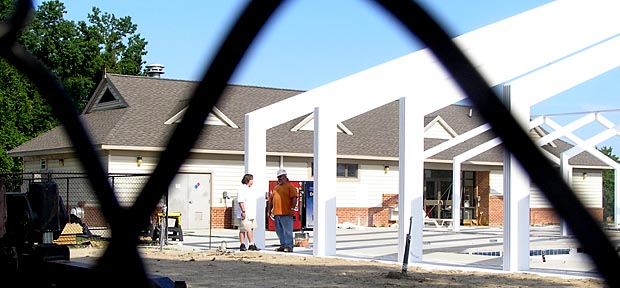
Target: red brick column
[221,217]
[484,190]
[496,210]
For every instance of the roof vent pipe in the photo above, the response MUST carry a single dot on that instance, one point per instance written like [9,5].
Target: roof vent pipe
[154,70]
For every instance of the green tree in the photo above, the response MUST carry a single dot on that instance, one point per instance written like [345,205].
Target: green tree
[608,184]
[77,53]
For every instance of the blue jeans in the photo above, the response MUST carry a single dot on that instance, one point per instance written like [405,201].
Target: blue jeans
[284,230]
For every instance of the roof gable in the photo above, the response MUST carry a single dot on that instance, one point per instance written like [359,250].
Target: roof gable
[307,124]
[216,117]
[105,97]
[439,129]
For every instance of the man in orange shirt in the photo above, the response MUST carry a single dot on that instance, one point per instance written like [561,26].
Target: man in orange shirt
[282,203]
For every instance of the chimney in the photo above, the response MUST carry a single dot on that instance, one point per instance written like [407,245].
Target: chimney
[154,70]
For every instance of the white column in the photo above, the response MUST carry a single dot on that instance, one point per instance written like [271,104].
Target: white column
[325,149]
[516,196]
[616,198]
[456,195]
[567,173]
[411,177]
[256,164]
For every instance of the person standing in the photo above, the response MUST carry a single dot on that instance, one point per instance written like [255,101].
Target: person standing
[282,204]
[246,200]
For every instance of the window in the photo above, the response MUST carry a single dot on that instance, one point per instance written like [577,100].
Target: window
[346,170]
[342,170]
[43,164]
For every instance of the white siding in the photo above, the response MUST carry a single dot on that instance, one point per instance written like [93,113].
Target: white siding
[589,189]
[437,132]
[53,164]
[296,171]
[226,173]
[537,199]
[496,182]
[367,190]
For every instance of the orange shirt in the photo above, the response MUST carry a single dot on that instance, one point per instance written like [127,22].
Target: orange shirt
[281,198]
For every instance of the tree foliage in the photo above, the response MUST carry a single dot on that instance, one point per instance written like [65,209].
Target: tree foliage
[77,53]
[608,184]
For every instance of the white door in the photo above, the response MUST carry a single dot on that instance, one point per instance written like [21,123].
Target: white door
[190,194]
[199,201]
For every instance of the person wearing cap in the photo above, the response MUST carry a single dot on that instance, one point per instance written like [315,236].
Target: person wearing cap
[281,205]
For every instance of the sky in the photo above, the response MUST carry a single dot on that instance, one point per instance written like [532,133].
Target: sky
[309,43]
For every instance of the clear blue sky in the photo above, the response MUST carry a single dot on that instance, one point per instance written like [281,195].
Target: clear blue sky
[310,43]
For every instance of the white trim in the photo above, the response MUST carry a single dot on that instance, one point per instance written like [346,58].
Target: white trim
[443,123]
[307,124]
[216,117]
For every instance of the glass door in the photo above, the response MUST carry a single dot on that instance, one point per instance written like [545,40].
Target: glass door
[469,199]
[438,198]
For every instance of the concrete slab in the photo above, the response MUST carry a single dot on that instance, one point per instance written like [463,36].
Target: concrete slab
[471,249]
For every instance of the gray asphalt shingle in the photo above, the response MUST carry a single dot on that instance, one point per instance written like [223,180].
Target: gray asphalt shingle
[153,101]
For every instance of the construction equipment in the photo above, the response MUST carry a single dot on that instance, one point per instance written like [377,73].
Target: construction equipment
[28,255]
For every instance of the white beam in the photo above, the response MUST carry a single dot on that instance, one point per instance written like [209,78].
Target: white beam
[430,152]
[580,67]
[501,51]
[556,134]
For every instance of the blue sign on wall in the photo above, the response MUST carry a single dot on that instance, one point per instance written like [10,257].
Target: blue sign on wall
[309,204]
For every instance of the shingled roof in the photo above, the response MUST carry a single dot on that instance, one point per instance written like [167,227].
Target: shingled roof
[141,110]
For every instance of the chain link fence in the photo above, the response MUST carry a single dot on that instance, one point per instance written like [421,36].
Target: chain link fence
[127,263]
[74,187]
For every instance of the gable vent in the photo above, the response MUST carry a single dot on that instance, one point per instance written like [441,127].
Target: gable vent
[154,70]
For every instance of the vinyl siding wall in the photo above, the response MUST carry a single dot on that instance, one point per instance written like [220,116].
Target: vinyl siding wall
[589,189]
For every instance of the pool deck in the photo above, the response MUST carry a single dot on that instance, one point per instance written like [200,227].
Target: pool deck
[442,248]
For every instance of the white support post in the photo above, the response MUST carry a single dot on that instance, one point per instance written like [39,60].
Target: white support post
[325,149]
[456,172]
[456,196]
[516,198]
[411,177]
[567,174]
[616,199]
[255,164]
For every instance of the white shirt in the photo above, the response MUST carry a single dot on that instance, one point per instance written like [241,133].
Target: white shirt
[78,211]
[246,196]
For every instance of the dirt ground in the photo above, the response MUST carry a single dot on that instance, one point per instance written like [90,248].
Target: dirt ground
[213,268]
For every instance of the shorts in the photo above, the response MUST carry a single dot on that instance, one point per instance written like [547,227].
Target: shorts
[247,225]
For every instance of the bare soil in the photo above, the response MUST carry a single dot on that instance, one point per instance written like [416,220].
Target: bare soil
[213,268]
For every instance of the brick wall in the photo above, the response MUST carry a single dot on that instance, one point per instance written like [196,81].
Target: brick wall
[221,217]
[353,215]
[538,216]
[496,210]
[543,216]
[484,190]
[491,206]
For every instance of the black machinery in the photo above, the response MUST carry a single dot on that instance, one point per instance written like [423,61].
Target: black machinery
[28,255]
